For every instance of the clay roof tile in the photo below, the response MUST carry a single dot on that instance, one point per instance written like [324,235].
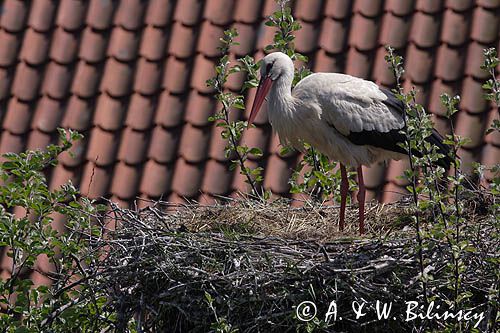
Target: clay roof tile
[117,78]
[100,14]
[133,146]
[10,46]
[176,75]
[364,33]
[164,143]
[141,111]
[57,80]
[26,82]
[159,179]
[13,15]
[369,8]
[103,146]
[400,8]
[147,77]
[93,45]
[194,143]
[64,46]
[95,180]
[129,14]
[48,114]
[42,15]
[159,12]
[18,116]
[153,43]
[123,44]
[187,178]
[219,11]
[485,25]
[34,49]
[308,10]
[188,11]
[110,112]
[217,179]
[86,80]
[247,11]
[338,9]
[70,14]
[182,40]
[78,114]
[170,110]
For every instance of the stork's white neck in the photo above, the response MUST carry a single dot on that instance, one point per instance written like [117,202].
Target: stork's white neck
[281,101]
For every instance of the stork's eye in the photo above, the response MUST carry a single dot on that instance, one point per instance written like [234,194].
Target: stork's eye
[269,67]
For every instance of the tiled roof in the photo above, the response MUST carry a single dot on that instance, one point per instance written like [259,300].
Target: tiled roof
[130,75]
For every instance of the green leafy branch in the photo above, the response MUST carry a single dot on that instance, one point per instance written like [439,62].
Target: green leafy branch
[232,130]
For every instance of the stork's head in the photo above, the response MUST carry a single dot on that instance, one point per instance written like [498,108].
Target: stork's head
[274,66]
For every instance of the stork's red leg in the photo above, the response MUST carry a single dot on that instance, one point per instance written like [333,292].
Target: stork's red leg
[344,188]
[361,200]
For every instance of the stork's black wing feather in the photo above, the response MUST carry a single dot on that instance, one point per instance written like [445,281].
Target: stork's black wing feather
[392,139]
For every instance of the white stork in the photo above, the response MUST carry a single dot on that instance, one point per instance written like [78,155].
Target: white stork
[348,119]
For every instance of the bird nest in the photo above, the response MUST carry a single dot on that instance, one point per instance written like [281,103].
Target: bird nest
[250,265]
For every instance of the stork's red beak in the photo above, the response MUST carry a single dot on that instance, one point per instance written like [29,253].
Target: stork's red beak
[262,91]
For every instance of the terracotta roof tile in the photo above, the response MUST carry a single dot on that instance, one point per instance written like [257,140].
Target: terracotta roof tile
[11,143]
[257,137]
[247,11]
[194,143]
[70,14]
[217,146]
[307,37]
[176,75]
[459,5]
[265,36]
[278,171]
[153,43]
[77,156]
[64,46]
[18,116]
[110,112]
[147,77]
[13,15]
[62,175]
[86,80]
[164,143]
[56,81]
[123,44]
[133,146]
[393,192]
[368,7]
[235,80]
[93,45]
[6,75]
[485,25]
[39,140]
[42,14]
[10,46]
[338,9]
[159,12]
[359,63]
[269,8]
[472,96]
[204,69]
[381,72]
[439,87]
[490,157]
[450,63]
[103,146]
[400,8]
[374,176]
[78,114]
[125,181]
[325,62]
[429,6]
[492,4]
[494,137]
[467,158]
[419,64]
[217,178]
[182,40]
[364,33]
[187,178]
[333,35]
[158,181]
[471,126]
[188,11]
[308,10]
[170,110]
[394,31]
[34,49]
[100,14]
[455,28]
[199,107]
[423,91]
[441,124]
[95,181]
[140,112]
[48,114]
[219,11]
[26,82]
[208,42]
[474,60]
[129,14]
[425,29]
[239,181]
[117,78]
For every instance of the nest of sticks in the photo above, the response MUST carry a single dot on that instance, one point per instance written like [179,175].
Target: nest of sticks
[248,265]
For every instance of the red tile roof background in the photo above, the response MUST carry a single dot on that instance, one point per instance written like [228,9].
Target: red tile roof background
[130,75]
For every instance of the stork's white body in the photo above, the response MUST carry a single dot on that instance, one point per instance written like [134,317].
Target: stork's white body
[349,119]
[321,100]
